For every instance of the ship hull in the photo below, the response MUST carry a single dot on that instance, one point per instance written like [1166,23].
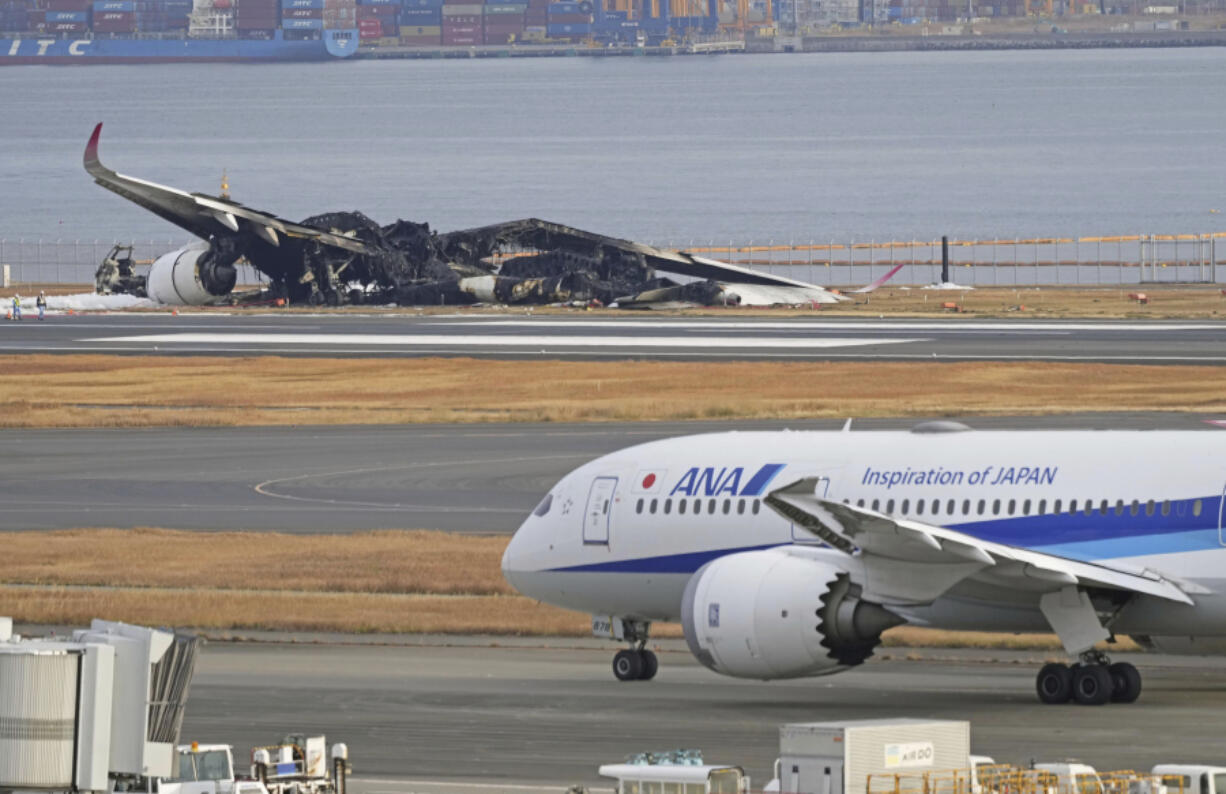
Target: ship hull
[45,50]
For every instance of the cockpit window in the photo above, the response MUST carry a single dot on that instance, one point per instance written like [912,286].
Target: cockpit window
[544,506]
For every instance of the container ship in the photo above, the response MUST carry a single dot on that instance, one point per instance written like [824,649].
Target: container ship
[169,31]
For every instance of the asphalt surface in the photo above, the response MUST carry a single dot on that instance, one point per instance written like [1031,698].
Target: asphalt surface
[464,478]
[515,716]
[522,336]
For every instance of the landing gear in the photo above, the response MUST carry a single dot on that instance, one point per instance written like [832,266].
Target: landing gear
[1092,682]
[636,663]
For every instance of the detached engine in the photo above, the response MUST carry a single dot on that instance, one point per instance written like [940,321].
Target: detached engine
[773,614]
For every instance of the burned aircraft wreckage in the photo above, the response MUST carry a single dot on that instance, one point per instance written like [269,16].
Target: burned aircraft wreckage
[346,258]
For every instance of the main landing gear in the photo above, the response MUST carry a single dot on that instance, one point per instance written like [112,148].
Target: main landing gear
[636,663]
[1092,682]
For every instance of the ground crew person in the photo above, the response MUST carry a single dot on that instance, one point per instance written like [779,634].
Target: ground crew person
[16,307]
[41,303]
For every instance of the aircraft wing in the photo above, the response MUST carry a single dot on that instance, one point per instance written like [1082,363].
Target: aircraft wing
[916,562]
[202,215]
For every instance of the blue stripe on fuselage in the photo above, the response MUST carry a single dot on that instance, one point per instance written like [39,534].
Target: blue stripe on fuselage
[668,563]
[761,479]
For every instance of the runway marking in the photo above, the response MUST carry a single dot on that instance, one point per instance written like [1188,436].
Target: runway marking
[429,786]
[261,488]
[834,325]
[483,340]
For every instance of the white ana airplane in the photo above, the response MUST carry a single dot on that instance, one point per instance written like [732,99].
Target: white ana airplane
[786,554]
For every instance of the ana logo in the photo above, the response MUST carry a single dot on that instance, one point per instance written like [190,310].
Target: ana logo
[710,481]
[649,481]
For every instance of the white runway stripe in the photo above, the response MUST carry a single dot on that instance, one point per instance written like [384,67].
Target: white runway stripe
[484,340]
[946,326]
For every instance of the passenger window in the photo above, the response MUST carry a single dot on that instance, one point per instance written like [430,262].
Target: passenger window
[1026,507]
[1012,504]
[1181,506]
[1166,507]
[877,504]
[966,507]
[919,507]
[711,506]
[1055,508]
[1042,506]
[756,503]
[982,504]
[681,506]
[951,506]
[1103,507]
[1196,506]
[889,507]
[654,505]
[1135,508]
[727,506]
[906,506]
[1072,506]
[740,507]
[1089,507]
[1119,507]
[668,506]
[638,506]
[859,503]
[995,507]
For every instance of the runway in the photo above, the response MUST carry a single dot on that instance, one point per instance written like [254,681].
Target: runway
[523,336]
[463,478]
[527,714]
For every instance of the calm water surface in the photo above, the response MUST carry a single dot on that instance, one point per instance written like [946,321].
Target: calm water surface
[843,146]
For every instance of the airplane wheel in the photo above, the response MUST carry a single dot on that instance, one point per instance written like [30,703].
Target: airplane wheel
[1054,683]
[1125,682]
[650,665]
[1092,684]
[628,666]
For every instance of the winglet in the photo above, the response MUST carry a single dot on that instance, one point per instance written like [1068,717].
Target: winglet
[876,283]
[91,150]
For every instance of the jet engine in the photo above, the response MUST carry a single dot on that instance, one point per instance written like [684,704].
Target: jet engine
[774,614]
[196,274]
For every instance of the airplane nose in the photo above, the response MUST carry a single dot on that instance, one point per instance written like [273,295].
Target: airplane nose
[513,557]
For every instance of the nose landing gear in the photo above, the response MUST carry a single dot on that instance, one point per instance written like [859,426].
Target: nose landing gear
[635,663]
[1092,682]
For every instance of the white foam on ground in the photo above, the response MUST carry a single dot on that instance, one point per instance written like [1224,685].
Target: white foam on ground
[948,285]
[488,340]
[86,302]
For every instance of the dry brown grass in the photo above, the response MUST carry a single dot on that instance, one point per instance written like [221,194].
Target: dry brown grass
[137,391]
[370,582]
[399,562]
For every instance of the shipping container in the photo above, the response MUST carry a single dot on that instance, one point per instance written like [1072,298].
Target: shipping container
[421,16]
[421,30]
[569,8]
[67,27]
[570,19]
[370,29]
[258,35]
[461,40]
[536,17]
[516,9]
[557,31]
[379,2]
[289,4]
[127,6]
[420,41]
[302,24]
[67,16]
[256,23]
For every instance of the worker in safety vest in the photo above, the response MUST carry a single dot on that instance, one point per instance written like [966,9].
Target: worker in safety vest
[41,303]
[16,307]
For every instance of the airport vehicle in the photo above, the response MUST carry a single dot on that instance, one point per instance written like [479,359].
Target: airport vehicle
[298,765]
[1194,778]
[1073,776]
[787,554]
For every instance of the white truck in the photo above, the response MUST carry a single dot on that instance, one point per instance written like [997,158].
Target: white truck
[1192,778]
[842,757]
[298,765]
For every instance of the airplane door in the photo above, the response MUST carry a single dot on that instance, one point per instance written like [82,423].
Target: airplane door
[802,535]
[599,512]
[1221,519]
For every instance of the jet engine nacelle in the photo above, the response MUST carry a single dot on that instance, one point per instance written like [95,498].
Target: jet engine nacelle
[771,614]
[191,276]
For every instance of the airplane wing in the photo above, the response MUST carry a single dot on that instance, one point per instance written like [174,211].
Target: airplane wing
[916,562]
[202,215]
[871,287]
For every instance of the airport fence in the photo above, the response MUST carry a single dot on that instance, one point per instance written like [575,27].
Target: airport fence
[1134,259]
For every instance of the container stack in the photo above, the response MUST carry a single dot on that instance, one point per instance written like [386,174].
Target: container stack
[570,19]
[378,19]
[61,17]
[161,16]
[301,19]
[421,23]
[503,21]
[462,24]
[536,20]
[258,19]
[114,17]
[340,14]
[14,16]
